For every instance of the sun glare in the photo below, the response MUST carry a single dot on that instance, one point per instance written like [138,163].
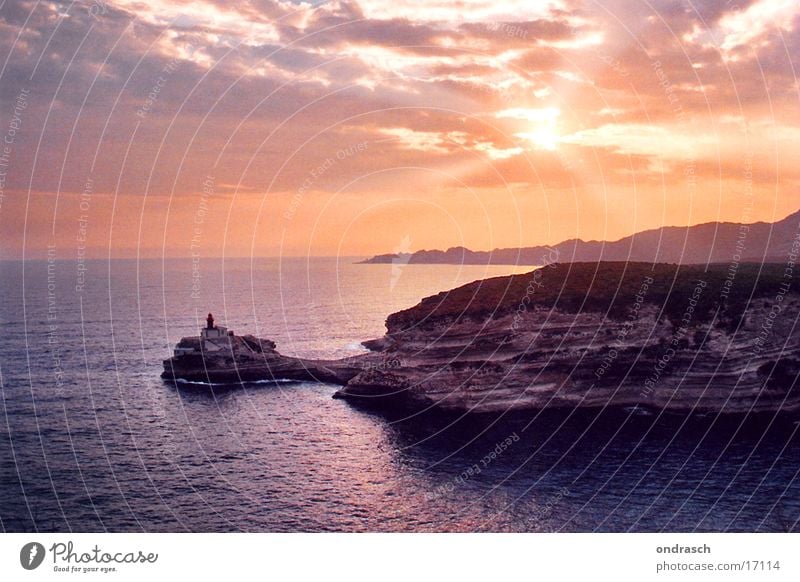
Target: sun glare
[542,125]
[545,138]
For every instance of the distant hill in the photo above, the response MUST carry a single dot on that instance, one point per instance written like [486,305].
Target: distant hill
[712,242]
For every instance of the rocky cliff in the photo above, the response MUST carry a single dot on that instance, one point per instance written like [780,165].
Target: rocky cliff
[722,338]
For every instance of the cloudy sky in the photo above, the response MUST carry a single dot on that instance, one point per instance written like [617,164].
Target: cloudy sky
[366,126]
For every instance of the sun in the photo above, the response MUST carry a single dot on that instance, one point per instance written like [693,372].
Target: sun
[544,138]
[542,130]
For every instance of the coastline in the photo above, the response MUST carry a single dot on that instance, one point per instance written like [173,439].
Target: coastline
[663,337]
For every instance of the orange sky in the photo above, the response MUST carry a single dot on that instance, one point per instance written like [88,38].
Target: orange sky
[363,127]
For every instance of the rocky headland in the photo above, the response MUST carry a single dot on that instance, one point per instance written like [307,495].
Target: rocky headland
[597,334]
[721,338]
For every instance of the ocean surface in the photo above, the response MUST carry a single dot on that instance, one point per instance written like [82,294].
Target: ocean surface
[91,439]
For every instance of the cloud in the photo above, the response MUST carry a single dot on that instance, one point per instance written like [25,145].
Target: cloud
[639,139]
[463,11]
[749,27]
[452,142]
[552,94]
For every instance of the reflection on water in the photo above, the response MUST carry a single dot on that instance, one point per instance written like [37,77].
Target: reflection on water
[94,440]
[612,470]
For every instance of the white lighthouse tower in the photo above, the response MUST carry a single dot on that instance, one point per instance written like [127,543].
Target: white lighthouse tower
[214,337]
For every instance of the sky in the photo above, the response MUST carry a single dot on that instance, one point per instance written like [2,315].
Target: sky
[149,129]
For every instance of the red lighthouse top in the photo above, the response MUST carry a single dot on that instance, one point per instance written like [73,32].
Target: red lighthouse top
[210,321]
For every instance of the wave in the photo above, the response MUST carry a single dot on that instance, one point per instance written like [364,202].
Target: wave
[238,383]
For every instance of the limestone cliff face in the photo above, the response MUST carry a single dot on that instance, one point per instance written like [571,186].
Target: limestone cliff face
[714,339]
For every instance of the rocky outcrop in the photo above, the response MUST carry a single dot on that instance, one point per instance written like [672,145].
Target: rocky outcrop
[714,339]
[248,358]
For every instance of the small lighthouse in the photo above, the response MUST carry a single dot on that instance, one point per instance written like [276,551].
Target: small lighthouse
[213,331]
[213,338]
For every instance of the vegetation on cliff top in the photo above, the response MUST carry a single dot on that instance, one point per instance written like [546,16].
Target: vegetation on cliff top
[605,287]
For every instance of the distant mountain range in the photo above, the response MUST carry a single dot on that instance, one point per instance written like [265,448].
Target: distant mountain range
[712,242]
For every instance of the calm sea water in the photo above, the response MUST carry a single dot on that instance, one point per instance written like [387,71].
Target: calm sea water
[91,438]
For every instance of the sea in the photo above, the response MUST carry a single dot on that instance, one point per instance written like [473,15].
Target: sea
[93,440]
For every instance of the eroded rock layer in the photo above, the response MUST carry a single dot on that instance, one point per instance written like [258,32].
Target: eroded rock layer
[722,338]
